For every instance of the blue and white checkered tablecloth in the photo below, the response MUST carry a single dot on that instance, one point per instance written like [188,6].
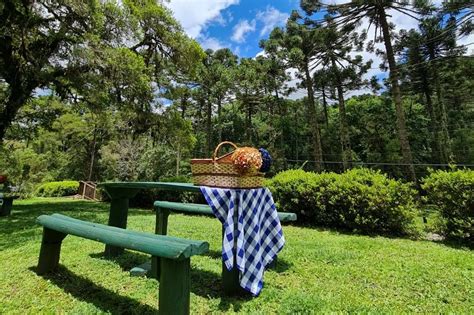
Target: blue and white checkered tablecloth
[259,233]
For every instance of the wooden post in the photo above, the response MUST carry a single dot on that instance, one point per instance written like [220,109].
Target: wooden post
[174,294]
[117,217]
[50,250]
[161,228]
[84,184]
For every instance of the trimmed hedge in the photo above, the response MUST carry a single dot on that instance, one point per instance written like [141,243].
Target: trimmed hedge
[58,189]
[360,200]
[452,192]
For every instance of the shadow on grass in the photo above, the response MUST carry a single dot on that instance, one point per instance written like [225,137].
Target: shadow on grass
[126,261]
[21,225]
[203,283]
[456,244]
[85,290]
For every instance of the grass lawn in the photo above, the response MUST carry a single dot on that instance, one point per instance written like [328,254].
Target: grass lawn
[318,271]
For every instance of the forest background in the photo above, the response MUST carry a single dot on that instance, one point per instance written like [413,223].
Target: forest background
[104,90]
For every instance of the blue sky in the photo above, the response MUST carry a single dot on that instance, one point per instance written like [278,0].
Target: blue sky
[239,25]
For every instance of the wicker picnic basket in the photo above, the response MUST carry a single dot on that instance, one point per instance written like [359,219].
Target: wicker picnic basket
[221,172]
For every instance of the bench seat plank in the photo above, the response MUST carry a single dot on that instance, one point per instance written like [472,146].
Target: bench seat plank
[156,245]
[205,209]
[138,233]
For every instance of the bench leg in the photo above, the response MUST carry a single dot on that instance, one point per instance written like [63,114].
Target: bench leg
[174,292]
[161,228]
[50,250]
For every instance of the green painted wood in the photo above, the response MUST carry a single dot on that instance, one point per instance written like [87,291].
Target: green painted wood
[156,245]
[50,250]
[230,278]
[205,209]
[6,207]
[161,228]
[118,218]
[150,185]
[287,216]
[142,234]
[174,294]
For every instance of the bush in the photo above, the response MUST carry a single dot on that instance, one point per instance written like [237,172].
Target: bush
[359,200]
[58,189]
[453,194]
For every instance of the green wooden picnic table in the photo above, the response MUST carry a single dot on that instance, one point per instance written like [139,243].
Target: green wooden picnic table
[120,194]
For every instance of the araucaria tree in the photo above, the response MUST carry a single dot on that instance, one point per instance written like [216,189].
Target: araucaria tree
[350,14]
[296,45]
[342,72]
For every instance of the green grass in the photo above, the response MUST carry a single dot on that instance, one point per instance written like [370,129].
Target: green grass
[318,271]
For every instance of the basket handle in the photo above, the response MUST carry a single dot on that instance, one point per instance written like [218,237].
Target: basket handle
[214,155]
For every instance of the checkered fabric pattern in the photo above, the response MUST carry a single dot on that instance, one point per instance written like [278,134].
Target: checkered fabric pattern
[259,236]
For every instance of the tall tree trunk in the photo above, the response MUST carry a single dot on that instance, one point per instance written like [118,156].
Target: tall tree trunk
[91,165]
[19,94]
[343,125]
[178,158]
[325,105]
[249,120]
[219,121]
[445,141]
[397,99]
[184,106]
[209,126]
[313,121]
[434,126]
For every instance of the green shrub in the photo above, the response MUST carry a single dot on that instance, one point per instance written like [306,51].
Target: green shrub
[359,200]
[57,189]
[452,192]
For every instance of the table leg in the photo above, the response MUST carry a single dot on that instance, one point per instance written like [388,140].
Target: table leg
[6,208]
[161,228]
[230,278]
[117,217]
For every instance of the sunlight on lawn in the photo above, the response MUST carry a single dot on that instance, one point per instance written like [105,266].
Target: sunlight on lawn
[318,271]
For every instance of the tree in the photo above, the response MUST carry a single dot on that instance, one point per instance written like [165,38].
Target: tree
[33,35]
[296,45]
[249,91]
[75,46]
[342,73]
[349,15]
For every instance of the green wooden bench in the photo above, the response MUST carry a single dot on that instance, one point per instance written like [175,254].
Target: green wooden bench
[174,253]
[194,208]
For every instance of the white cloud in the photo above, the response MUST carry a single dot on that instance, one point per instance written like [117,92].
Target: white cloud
[270,18]
[241,29]
[211,43]
[194,15]
[400,21]
[468,42]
